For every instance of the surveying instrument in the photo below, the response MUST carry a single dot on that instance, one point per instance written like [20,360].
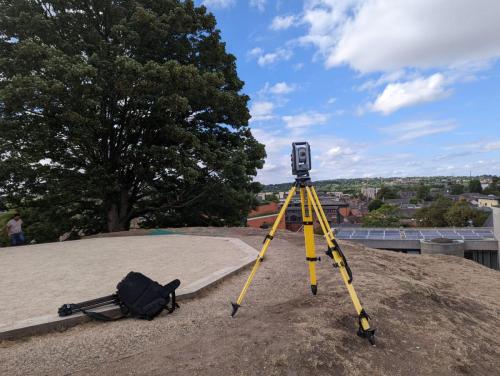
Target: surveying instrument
[301,165]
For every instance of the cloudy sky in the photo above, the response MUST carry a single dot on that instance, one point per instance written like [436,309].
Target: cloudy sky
[378,87]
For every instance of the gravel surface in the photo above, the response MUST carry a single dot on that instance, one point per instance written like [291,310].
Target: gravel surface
[435,315]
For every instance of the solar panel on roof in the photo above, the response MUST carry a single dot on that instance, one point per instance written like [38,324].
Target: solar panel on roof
[415,234]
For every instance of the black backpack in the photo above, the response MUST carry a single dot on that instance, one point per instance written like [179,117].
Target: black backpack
[137,295]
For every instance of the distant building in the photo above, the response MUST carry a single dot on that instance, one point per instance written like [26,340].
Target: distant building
[264,196]
[488,201]
[407,194]
[264,216]
[370,192]
[479,200]
[332,209]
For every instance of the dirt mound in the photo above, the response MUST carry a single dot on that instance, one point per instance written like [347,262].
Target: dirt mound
[435,315]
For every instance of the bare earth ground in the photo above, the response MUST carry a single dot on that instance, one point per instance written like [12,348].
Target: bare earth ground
[435,315]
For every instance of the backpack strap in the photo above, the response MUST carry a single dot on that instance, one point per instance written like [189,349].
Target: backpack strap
[170,289]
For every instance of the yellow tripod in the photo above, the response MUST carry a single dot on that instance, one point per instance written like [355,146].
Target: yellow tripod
[309,202]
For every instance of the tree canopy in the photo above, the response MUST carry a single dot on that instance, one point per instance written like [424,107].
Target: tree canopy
[385,216]
[375,204]
[475,186]
[113,109]
[444,212]
[424,192]
[386,193]
[493,188]
[434,215]
[456,189]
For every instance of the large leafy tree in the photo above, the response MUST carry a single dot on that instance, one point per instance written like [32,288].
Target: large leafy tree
[384,216]
[112,109]
[434,215]
[444,212]
[461,214]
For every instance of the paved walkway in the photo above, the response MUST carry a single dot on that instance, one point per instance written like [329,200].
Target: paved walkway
[37,279]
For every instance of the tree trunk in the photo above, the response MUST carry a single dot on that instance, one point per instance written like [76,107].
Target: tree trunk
[119,213]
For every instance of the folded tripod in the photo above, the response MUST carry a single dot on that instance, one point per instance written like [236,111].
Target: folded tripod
[309,201]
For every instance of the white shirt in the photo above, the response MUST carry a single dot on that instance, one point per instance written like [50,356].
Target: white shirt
[14,227]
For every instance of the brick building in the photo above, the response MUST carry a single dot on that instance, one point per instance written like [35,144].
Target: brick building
[263,216]
[332,209]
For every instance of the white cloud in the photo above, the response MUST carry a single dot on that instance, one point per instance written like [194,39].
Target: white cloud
[262,111]
[259,4]
[409,131]
[218,3]
[384,79]
[281,88]
[404,94]
[331,100]
[283,22]
[257,51]
[273,57]
[468,149]
[305,120]
[491,146]
[387,35]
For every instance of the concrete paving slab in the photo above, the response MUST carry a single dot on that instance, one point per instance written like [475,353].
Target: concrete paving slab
[37,279]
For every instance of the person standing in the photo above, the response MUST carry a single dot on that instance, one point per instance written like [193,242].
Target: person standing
[15,230]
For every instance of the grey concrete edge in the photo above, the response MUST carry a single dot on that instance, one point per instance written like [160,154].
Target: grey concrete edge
[49,323]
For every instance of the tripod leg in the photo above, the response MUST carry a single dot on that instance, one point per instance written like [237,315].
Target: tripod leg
[307,221]
[340,261]
[263,251]
[322,213]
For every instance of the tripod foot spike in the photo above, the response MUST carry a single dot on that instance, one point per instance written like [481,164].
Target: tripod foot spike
[235,308]
[368,334]
[314,289]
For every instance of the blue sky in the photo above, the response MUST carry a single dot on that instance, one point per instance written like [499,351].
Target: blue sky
[378,87]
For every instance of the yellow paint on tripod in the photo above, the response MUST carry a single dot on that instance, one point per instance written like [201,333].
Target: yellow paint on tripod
[322,213]
[263,251]
[309,198]
[328,233]
[307,219]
